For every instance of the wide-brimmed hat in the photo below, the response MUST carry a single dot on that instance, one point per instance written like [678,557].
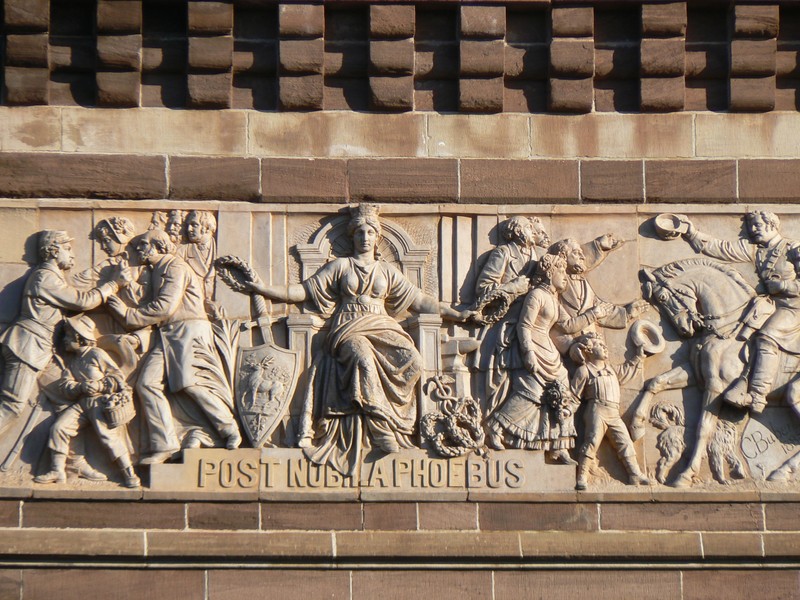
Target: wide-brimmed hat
[670,226]
[83,326]
[647,335]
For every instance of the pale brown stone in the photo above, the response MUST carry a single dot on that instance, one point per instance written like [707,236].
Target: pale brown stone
[301,56]
[613,136]
[781,516]
[748,136]
[30,128]
[679,180]
[119,89]
[9,513]
[781,545]
[570,95]
[481,95]
[756,94]
[467,136]
[392,93]
[26,85]
[481,58]
[663,94]
[304,92]
[336,134]
[178,132]
[27,14]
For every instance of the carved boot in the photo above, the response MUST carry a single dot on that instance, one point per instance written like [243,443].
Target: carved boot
[765,369]
[585,465]
[561,456]
[57,473]
[85,470]
[635,476]
[131,479]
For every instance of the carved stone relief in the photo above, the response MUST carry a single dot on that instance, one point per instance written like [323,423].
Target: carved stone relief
[588,360]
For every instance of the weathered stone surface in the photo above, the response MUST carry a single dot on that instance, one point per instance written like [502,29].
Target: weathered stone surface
[603,585]
[311,516]
[200,178]
[391,21]
[179,132]
[82,176]
[398,584]
[674,181]
[766,584]
[103,515]
[768,180]
[301,20]
[390,516]
[210,17]
[519,180]
[238,544]
[488,22]
[573,21]
[421,180]
[664,19]
[574,544]
[448,516]
[26,50]
[537,517]
[612,180]
[682,517]
[75,584]
[119,16]
[233,584]
[467,136]
[233,516]
[303,180]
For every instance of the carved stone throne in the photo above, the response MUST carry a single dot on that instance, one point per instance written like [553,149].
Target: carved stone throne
[307,330]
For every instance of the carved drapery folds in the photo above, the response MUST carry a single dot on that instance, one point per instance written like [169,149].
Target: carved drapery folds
[411,352]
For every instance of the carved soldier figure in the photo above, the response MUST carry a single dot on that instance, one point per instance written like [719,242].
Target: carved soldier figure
[597,382]
[28,345]
[91,377]
[579,298]
[769,252]
[201,251]
[184,357]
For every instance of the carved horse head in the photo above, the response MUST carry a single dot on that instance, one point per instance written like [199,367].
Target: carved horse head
[697,295]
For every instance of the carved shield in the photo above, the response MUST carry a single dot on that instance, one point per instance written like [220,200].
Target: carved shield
[266,376]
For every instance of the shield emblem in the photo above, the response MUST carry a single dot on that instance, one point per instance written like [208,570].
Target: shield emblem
[266,376]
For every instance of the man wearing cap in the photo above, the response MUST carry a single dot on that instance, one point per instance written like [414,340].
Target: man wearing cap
[769,252]
[28,345]
[183,357]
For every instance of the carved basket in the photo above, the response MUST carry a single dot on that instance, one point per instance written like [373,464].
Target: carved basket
[119,409]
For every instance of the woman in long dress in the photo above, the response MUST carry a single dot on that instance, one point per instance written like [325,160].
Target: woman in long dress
[364,381]
[539,411]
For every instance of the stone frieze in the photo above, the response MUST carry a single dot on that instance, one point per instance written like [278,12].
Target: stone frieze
[398,351]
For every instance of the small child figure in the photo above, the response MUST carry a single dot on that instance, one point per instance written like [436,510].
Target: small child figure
[598,382]
[92,376]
